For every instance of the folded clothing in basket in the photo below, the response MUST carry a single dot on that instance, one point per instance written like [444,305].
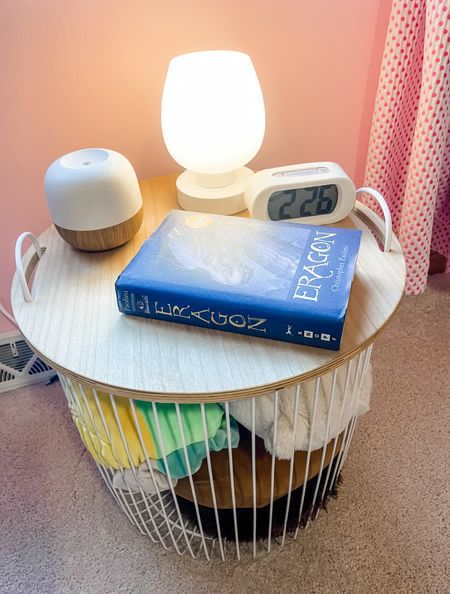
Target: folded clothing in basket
[145,477]
[122,437]
[313,430]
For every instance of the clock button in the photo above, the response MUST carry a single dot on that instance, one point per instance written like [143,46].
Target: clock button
[299,172]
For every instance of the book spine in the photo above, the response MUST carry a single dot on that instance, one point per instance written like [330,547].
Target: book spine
[252,320]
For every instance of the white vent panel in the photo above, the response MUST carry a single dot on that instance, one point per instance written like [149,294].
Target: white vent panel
[19,366]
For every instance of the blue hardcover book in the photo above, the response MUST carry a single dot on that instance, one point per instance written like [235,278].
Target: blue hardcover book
[283,281]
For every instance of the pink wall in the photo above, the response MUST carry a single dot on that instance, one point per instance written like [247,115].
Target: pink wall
[90,73]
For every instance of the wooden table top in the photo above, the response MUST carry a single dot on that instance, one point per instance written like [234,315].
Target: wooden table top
[74,324]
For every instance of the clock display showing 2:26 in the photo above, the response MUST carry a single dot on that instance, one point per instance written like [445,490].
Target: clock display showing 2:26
[302,202]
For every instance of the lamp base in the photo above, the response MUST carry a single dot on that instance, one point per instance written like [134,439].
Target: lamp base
[226,200]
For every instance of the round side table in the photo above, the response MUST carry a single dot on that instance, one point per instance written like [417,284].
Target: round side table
[212,443]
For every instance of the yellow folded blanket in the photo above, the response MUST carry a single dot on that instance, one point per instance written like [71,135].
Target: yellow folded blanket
[97,423]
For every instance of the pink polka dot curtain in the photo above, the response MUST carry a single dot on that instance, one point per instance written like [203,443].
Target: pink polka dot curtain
[409,149]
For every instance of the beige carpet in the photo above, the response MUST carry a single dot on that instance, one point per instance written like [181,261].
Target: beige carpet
[388,531]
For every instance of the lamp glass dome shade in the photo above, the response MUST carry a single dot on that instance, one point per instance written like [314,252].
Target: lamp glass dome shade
[212,113]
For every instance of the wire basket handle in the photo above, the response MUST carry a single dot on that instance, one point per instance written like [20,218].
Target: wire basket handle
[366,212]
[21,274]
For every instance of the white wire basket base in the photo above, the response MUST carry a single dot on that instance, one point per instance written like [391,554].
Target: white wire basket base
[282,496]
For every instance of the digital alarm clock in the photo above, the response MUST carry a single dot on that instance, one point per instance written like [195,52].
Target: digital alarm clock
[312,193]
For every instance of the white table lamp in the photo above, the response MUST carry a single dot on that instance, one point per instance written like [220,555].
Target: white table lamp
[213,123]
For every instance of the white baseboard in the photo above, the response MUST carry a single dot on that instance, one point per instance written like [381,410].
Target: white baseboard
[10,335]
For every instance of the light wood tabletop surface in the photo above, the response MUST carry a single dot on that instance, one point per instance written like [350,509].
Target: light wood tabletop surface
[74,324]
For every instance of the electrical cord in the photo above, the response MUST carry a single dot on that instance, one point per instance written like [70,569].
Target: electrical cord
[8,315]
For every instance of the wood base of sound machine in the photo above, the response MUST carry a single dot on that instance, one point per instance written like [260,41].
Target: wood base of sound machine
[98,240]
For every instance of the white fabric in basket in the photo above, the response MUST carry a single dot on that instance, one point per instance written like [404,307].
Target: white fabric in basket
[354,404]
[141,478]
